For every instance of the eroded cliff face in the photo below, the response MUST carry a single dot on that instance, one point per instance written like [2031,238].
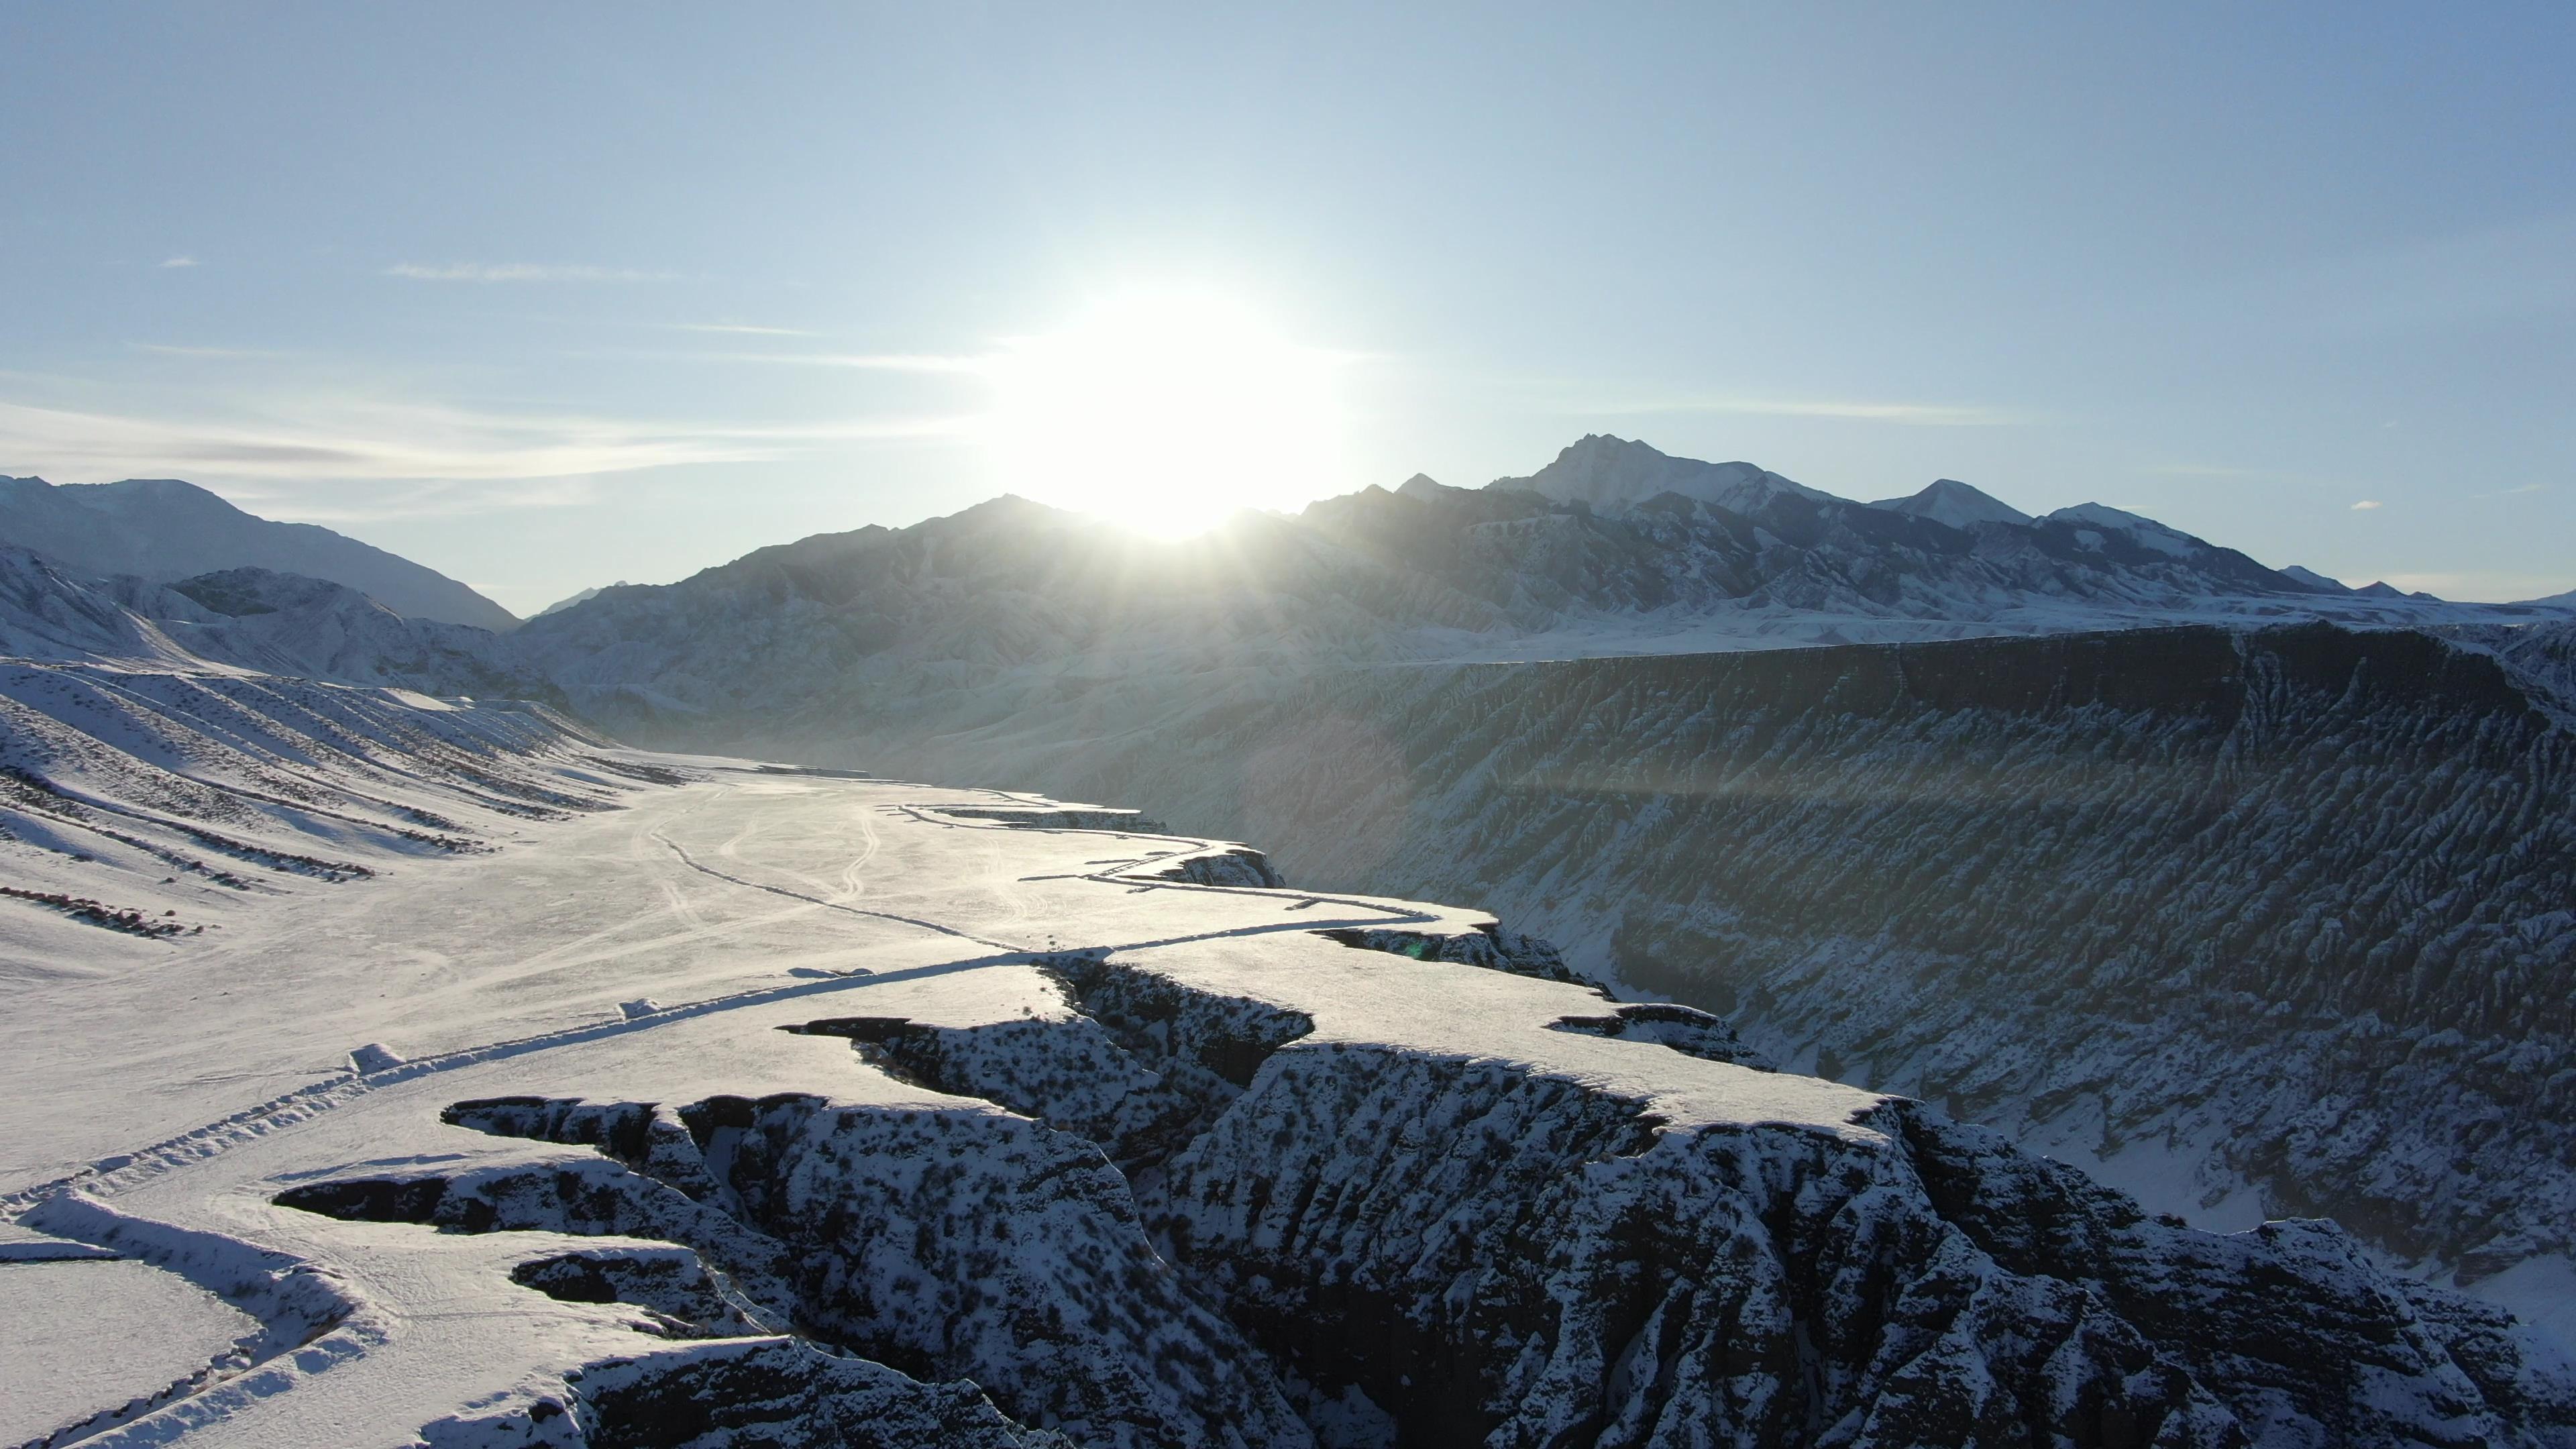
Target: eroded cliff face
[1217,1230]
[2296,901]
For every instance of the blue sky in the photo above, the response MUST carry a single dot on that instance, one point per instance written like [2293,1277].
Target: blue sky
[548,296]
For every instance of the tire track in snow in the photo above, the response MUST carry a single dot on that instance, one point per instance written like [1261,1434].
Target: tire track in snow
[124,1171]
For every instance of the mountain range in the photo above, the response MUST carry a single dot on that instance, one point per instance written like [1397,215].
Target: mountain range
[164,530]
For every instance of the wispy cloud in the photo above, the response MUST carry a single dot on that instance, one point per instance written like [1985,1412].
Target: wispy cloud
[869,361]
[2366,504]
[1909,414]
[326,438]
[2509,492]
[172,349]
[931,362]
[744,329]
[520,272]
[178,261]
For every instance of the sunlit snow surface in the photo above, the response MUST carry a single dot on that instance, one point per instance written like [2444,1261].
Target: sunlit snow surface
[738,905]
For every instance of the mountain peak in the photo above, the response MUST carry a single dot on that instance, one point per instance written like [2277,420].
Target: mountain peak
[2315,580]
[1947,500]
[1614,474]
[2163,538]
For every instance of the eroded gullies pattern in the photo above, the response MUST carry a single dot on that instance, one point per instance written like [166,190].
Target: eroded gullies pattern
[1315,1240]
[944,1242]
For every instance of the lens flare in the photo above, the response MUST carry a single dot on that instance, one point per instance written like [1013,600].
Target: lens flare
[1166,413]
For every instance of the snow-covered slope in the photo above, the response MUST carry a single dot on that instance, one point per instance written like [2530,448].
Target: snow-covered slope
[163,530]
[250,619]
[1120,1158]
[283,623]
[156,803]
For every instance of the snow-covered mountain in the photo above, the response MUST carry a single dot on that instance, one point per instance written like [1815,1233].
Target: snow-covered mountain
[576,597]
[1947,500]
[250,619]
[1616,474]
[1013,596]
[164,530]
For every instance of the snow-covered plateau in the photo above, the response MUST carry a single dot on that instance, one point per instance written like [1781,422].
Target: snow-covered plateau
[778,1108]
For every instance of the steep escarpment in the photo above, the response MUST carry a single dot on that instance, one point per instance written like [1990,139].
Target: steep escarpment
[2293,901]
[942,1243]
[1226,1228]
[1470,1251]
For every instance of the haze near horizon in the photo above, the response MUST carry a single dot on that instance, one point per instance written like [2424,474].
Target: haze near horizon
[548,299]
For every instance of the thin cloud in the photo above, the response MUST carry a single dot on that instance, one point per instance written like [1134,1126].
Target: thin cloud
[869,361]
[1909,414]
[172,349]
[2367,504]
[339,502]
[179,261]
[929,362]
[744,329]
[519,272]
[348,439]
[2509,492]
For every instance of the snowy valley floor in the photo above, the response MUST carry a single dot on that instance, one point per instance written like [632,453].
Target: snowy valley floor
[1129,1142]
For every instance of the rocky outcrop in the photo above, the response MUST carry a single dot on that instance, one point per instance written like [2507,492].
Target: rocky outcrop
[944,1243]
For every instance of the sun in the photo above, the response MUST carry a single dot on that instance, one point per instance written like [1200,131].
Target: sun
[1167,413]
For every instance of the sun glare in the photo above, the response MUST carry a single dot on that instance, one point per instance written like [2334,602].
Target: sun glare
[1166,413]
